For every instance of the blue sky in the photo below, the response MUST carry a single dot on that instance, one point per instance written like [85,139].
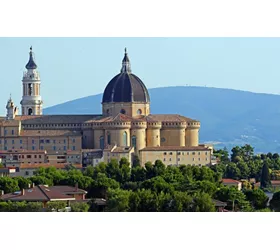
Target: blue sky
[71,68]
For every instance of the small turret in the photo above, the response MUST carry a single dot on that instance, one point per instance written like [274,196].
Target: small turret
[12,110]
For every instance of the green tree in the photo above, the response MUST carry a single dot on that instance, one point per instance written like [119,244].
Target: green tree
[55,206]
[265,176]
[138,174]
[202,202]
[23,183]
[136,161]
[118,200]
[100,186]
[41,180]
[232,171]
[157,184]
[257,198]
[275,202]
[147,201]
[235,199]
[79,207]
[8,185]
[244,169]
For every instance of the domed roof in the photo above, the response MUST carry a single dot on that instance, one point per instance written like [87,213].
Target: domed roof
[31,64]
[126,87]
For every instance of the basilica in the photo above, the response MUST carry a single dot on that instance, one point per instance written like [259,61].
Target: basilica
[126,128]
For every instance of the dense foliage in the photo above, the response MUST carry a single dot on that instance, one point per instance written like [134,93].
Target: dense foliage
[157,187]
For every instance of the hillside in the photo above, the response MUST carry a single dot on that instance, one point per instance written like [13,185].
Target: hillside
[228,117]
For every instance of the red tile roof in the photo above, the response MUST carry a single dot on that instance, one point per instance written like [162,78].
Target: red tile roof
[175,148]
[47,165]
[44,193]
[230,181]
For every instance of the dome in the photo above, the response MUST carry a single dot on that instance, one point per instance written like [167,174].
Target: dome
[126,87]
[31,64]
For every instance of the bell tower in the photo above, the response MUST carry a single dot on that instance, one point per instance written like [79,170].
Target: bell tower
[31,103]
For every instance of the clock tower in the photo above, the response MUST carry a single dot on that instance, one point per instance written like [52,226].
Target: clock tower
[31,103]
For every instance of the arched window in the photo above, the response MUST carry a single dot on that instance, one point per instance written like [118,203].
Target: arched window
[139,112]
[133,141]
[101,142]
[30,112]
[108,138]
[123,111]
[124,138]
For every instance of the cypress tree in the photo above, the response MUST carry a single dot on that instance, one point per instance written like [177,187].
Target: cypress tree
[265,178]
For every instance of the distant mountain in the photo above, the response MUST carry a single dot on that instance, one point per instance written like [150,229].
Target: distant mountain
[228,117]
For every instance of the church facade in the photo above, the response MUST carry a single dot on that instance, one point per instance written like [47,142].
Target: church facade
[125,123]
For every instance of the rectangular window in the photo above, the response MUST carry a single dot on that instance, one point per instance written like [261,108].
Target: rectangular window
[53,141]
[170,159]
[47,141]
[5,141]
[13,141]
[20,141]
[6,132]
[33,142]
[188,153]
[40,156]
[41,141]
[206,159]
[22,157]
[73,148]
[163,159]
[193,153]
[12,132]
[178,159]
[193,159]
[42,147]
[33,148]
[26,173]
[0,141]
[198,153]
[73,140]
[64,141]
[179,153]
[20,147]
[35,156]
[205,153]
[28,156]
[64,148]
[199,159]
[54,147]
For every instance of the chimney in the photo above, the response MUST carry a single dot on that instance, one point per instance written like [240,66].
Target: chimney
[76,187]
[22,191]
[1,192]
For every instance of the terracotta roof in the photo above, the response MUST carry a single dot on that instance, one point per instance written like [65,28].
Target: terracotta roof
[49,132]
[168,118]
[122,149]
[175,148]
[44,193]
[47,165]
[23,151]
[230,181]
[50,119]
[273,182]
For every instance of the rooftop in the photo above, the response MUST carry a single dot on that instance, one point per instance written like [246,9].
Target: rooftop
[175,148]
[43,193]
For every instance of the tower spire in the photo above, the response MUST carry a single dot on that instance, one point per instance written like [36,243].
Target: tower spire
[126,68]
[31,64]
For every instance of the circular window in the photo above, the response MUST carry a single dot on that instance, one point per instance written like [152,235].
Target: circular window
[139,111]
[123,111]
[162,139]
